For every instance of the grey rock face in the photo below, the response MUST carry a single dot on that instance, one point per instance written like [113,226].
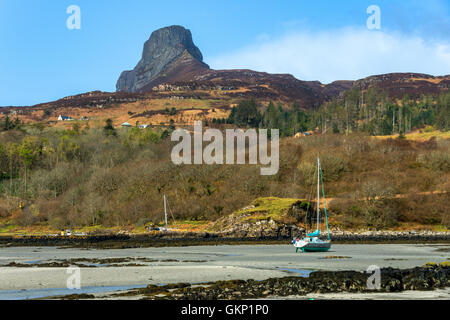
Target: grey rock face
[164,47]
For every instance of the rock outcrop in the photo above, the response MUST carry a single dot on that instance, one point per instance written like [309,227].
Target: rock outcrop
[265,218]
[428,277]
[169,55]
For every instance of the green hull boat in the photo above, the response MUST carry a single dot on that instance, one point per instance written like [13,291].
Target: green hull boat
[312,242]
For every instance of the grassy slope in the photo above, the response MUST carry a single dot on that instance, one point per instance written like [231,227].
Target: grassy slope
[421,135]
[267,208]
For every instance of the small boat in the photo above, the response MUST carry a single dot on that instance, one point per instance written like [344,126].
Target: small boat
[312,241]
[166,224]
[166,228]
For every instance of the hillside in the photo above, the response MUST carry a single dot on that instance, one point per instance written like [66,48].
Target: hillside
[87,178]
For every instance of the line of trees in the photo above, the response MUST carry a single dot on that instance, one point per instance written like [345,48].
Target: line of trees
[369,111]
[288,121]
[37,148]
[373,112]
[9,124]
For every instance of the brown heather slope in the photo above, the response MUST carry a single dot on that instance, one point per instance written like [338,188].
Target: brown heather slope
[216,90]
[399,84]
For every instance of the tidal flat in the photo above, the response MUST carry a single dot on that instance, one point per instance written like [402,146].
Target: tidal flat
[38,272]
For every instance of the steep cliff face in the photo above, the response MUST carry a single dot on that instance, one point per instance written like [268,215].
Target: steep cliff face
[169,55]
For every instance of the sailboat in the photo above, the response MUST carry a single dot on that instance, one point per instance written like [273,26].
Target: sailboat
[166,224]
[312,241]
[166,228]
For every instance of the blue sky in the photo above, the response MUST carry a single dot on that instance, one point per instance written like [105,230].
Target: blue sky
[41,60]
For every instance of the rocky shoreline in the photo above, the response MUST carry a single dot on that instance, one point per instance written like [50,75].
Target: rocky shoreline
[118,241]
[96,263]
[428,277]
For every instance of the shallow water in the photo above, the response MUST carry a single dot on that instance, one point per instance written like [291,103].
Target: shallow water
[44,293]
[300,272]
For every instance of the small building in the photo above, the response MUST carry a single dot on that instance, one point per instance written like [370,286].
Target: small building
[143,126]
[125,125]
[65,118]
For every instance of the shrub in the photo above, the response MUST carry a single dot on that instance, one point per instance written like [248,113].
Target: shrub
[378,206]
[333,167]
[308,171]
[446,220]
[4,210]
[435,160]
[104,181]
[23,218]
[52,183]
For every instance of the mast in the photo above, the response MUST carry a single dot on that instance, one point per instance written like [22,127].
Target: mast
[165,212]
[318,192]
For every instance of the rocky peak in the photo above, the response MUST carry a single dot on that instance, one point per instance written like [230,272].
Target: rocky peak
[167,49]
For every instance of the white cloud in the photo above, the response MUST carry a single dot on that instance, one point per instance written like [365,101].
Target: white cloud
[344,54]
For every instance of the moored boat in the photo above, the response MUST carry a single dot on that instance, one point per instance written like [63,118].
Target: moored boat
[312,242]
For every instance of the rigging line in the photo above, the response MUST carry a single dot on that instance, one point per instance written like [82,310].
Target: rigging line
[310,194]
[324,203]
[312,184]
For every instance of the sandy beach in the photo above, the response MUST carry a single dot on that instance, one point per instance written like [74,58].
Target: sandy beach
[195,265]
